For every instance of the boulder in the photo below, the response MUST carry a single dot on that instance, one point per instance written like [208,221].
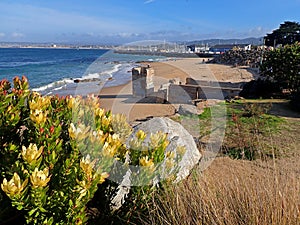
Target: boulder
[177,136]
[188,110]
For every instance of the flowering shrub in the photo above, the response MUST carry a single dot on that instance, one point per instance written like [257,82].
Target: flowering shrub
[55,152]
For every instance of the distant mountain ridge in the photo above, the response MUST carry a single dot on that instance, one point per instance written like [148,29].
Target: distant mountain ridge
[212,42]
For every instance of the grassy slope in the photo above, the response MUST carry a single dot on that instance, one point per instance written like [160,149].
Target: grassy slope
[262,191]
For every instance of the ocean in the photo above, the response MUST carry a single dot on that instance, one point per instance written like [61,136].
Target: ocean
[69,71]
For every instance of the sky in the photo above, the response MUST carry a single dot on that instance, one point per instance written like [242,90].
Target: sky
[121,21]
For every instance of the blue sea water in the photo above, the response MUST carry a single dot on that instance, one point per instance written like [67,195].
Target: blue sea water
[53,71]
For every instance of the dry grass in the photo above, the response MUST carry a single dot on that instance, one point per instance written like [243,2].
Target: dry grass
[265,191]
[231,192]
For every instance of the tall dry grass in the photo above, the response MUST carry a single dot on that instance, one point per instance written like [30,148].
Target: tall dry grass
[231,192]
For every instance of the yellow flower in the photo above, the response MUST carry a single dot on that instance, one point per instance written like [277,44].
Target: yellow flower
[158,139]
[170,154]
[120,125]
[39,103]
[39,178]
[103,177]
[165,144]
[109,150]
[141,135]
[144,161]
[73,103]
[70,102]
[135,144]
[111,146]
[106,122]
[87,166]
[99,112]
[31,153]
[38,116]
[79,133]
[101,137]
[72,131]
[114,140]
[93,101]
[14,186]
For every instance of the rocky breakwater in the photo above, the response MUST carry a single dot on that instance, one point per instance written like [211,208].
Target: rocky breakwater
[249,58]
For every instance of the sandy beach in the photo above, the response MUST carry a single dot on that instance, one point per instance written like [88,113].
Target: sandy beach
[119,99]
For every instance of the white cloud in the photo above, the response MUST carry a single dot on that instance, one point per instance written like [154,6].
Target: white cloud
[2,35]
[148,1]
[17,35]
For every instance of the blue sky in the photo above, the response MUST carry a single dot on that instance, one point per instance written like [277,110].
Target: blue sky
[121,21]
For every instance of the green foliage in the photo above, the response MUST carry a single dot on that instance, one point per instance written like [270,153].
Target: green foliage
[56,152]
[287,33]
[283,66]
[40,166]
[248,125]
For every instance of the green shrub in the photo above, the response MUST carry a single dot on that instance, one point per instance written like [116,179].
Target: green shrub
[56,152]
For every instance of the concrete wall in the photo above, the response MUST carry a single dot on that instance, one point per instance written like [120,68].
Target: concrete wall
[142,86]
[186,93]
[181,93]
[142,81]
[214,83]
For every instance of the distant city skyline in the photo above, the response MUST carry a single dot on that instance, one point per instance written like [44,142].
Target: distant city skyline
[119,21]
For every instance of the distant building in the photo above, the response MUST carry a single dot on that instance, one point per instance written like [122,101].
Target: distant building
[224,48]
[197,48]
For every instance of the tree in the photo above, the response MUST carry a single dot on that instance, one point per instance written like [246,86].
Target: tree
[283,66]
[287,33]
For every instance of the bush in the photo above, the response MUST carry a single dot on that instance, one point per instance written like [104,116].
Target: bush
[295,101]
[248,127]
[56,152]
[261,88]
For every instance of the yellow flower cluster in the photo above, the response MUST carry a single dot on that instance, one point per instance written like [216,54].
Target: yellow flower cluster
[103,176]
[120,125]
[38,106]
[39,178]
[79,133]
[31,153]
[146,162]
[87,166]
[14,186]
[170,156]
[158,139]
[39,102]
[141,135]
[106,122]
[111,146]
[73,103]
[38,116]
[93,101]
[99,112]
